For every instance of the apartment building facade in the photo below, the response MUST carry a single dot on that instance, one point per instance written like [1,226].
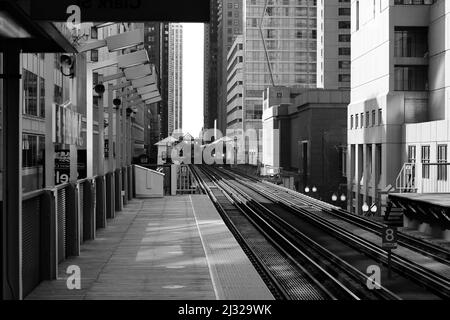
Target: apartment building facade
[230,25]
[235,65]
[399,111]
[333,44]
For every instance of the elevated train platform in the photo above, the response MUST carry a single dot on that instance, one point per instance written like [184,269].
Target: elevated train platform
[167,248]
[428,213]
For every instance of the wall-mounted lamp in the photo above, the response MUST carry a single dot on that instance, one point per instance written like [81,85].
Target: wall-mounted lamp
[99,89]
[67,62]
[117,102]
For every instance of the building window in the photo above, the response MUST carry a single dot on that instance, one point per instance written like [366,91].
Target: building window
[367,119]
[357,15]
[344,65]
[411,42]
[373,118]
[411,78]
[425,162]
[94,55]
[344,51]
[362,119]
[41,97]
[344,24]
[344,38]
[344,11]
[94,33]
[442,162]
[351,122]
[30,93]
[344,78]
[356,121]
[32,150]
[380,117]
[58,94]
[411,154]
[415,2]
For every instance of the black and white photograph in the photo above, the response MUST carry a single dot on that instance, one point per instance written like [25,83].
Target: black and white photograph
[230,159]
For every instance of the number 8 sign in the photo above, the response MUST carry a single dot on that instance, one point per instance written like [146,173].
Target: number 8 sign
[389,238]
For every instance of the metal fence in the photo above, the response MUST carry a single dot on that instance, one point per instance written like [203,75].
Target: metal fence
[424,178]
[56,222]
[186,181]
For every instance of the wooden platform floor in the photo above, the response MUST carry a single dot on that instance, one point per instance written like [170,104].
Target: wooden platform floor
[170,248]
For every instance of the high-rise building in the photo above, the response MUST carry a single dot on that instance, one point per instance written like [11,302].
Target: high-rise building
[175,111]
[230,24]
[399,115]
[210,68]
[280,41]
[235,67]
[157,43]
[333,44]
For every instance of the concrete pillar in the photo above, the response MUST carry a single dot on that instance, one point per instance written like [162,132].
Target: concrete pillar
[101,135]
[49,116]
[110,106]
[358,163]
[12,176]
[89,123]
[350,176]
[365,173]
[118,133]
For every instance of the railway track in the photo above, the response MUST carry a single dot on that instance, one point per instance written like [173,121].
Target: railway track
[308,210]
[420,246]
[304,270]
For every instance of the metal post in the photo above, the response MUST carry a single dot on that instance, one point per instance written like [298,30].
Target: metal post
[101,135]
[12,176]
[89,122]
[111,164]
[389,263]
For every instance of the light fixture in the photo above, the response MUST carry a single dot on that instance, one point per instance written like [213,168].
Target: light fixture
[67,62]
[334,197]
[117,102]
[343,197]
[314,189]
[99,88]
[365,207]
[373,208]
[307,189]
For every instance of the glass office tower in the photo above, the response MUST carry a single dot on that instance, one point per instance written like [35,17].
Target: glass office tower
[280,41]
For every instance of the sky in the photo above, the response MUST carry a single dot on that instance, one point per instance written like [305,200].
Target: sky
[193,78]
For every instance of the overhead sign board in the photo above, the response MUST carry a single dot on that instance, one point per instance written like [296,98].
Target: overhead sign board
[124,10]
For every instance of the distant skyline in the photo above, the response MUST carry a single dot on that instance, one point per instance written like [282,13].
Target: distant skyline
[193,77]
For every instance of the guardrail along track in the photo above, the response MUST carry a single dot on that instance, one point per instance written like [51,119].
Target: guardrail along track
[410,279]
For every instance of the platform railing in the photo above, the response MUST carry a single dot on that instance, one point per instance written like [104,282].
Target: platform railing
[56,221]
[406,179]
[186,181]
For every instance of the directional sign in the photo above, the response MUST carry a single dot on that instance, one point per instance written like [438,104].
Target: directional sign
[389,238]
